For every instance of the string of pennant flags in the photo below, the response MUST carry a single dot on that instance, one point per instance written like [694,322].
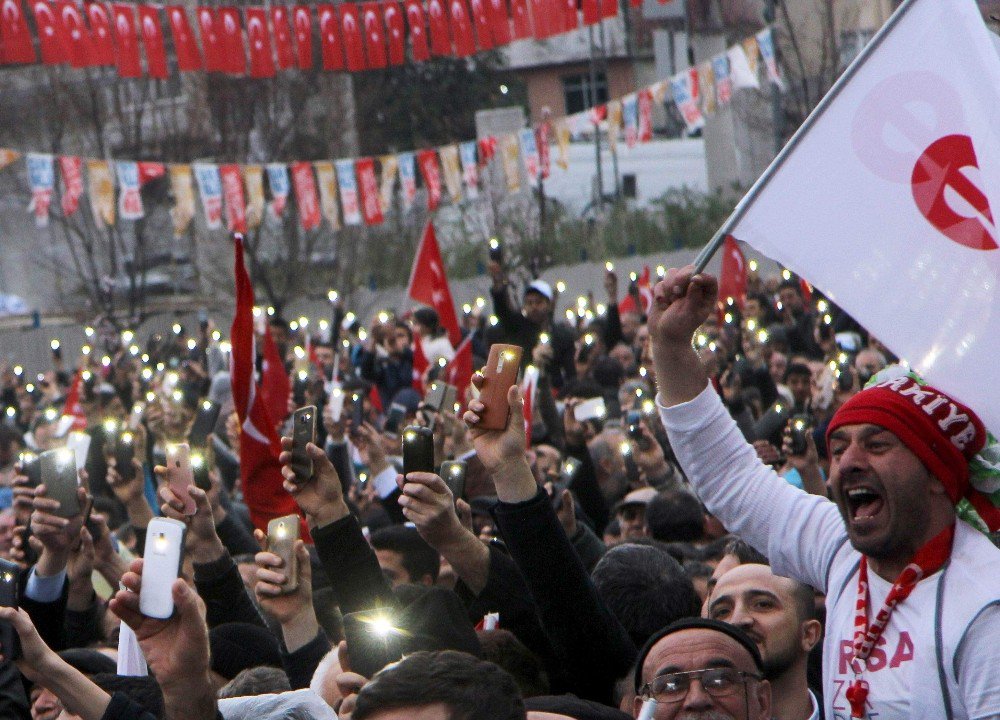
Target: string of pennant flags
[361,191]
[353,36]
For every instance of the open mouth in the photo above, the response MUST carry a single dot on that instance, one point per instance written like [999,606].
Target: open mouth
[864,503]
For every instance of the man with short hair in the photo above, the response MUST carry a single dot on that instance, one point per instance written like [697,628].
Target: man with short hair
[778,614]
[911,589]
[445,685]
[697,668]
[405,557]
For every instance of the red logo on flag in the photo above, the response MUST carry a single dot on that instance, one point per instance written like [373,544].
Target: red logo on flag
[418,30]
[188,55]
[127,43]
[282,37]
[16,38]
[152,35]
[950,200]
[440,42]
[261,59]
[353,42]
[303,36]
[374,34]
[396,32]
[233,53]
[210,40]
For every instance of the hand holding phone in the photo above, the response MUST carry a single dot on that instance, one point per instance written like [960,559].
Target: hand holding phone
[10,596]
[418,449]
[59,473]
[372,641]
[180,477]
[499,375]
[453,473]
[281,536]
[303,433]
[161,566]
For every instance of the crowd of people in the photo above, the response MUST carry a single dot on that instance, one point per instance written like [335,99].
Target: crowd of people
[705,516]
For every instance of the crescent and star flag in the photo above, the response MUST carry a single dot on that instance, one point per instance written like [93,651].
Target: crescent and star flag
[438,21]
[129,196]
[521,21]
[185,47]
[420,365]
[733,275]
[371,204]
[458,371]
[260,472]
[42,180]
[395,31]
[540,19]
[50,39]
[71,169]
[282,37]
[915,259]
[353,42]
[348,185]
[259,39]
[277,182]
[75,35]
[418,30]
[211,40]
[232,190]
[408,178]
[182,213]
[152,38]
[210,189]
[305,195]
[499,21]
[484,36]
[303,36]
[429,283]
[126,41]
[15,37]
[371,21]
[233,52]
[627,303]
[331,48]
[101,41]
[431,173]
[102,192]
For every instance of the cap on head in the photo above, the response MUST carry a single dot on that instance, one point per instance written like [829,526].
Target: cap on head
[541,287]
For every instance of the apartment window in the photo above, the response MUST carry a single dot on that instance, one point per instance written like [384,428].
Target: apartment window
[576,91]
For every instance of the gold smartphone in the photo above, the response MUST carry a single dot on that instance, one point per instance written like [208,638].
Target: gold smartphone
[281,536]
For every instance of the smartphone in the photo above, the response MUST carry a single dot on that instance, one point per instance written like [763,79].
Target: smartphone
[179,475]
[592,409]
[418,449]
[161,566]
[335,401]
[61,480]
[199,469]
[135,417]
[771,422]
[303,432]
[124,454]
[372,641]
[357,412]
[282,533]
[434,399]
[31,467]
[500,374]
[634,429]
[496,251]
[204,423]
[397,413]
[453,474]
[79,442]
[570,467]
[10,595]
[798,431]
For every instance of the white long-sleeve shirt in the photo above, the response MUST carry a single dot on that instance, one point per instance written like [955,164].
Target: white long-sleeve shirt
[917,666]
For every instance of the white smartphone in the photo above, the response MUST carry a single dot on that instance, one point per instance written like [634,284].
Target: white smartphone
[593,409]
[79,442]
[161,566]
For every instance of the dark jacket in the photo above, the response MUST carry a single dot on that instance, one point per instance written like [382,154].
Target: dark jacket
[515,329]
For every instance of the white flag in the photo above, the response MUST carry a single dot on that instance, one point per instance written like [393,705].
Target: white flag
[740,70]
[887,200]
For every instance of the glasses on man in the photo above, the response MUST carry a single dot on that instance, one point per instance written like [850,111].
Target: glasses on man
[717,682]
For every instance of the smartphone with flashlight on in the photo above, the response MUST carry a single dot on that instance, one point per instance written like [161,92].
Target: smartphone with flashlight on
[204,423]
[282,533]
[798,432]
[397,413]
[31,467]
[418,449]
[161,566]
[180,477]
[592,409]
[500,374]
[123,452]
[10,596]
[496,251]
[372,641]
[453,474]
[303,433]
[199,469]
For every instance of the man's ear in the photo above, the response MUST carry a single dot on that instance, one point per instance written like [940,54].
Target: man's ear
[763,698]
[811,632]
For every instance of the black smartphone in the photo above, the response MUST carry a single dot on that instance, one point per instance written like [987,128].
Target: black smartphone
[124,453]
[418,449]
[845,378]
[204,423]
[798,430]
[357,412]
[453,474]
[303,433]
[372,641]
[10,594]
[31,467]
[199,469]
[397,413]
[570,467]
[436,395]
[633,422]
[496,251]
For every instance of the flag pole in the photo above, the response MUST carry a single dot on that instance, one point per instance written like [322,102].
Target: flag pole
[744,204]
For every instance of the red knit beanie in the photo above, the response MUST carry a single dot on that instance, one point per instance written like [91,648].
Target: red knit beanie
[943,433]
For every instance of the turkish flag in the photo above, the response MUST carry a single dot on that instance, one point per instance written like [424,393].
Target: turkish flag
[282,37]
[71,406]
[303,36]
[522,24]
[152,36]
[571,20]
[234,54]
[126,41]
[440,41]
[259,38]
[275,387]
[396,32]
[609,8]
[211,40]
[591,13]
[371,203]
[49,33]
[458,371]
[429,283]
[487,149]
[371,19]
[185,47]
[628,304]
[540,20]
[76,36]
[420,365]
[733,275]
[480,17]
[353,44]
[418,30]
[15,37]
[499,21]
[329,36]
[461,28]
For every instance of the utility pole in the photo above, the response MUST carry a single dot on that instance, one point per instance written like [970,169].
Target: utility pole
[777,113]
[597,126]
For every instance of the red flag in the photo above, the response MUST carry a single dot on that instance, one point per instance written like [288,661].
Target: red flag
[375,399]
[542,134]
[275,387]
[329,36]
[72,407]
[499,21]
[371,202]
[522,24]
[232,190]
[282,37]
[76,36]
[609,8]
[482,21]
[627,304]
[49,33]
[461,28]
[15,37]
[126,41]
[807,290]
[429,283]
[396,32]
[420,365]
[528,387]
[152,36]
[211,40]
[733,275]
[371,19]
[571,20]
[458,372]
[259,39]
[305,194]
[260,472]
[431,172]
[487,149]
[353,44]
[150,171]
[303,36]
[540,19]
[72,174]
[438,21]
[418,30]
[591,12]
[188,55]
[234,54]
